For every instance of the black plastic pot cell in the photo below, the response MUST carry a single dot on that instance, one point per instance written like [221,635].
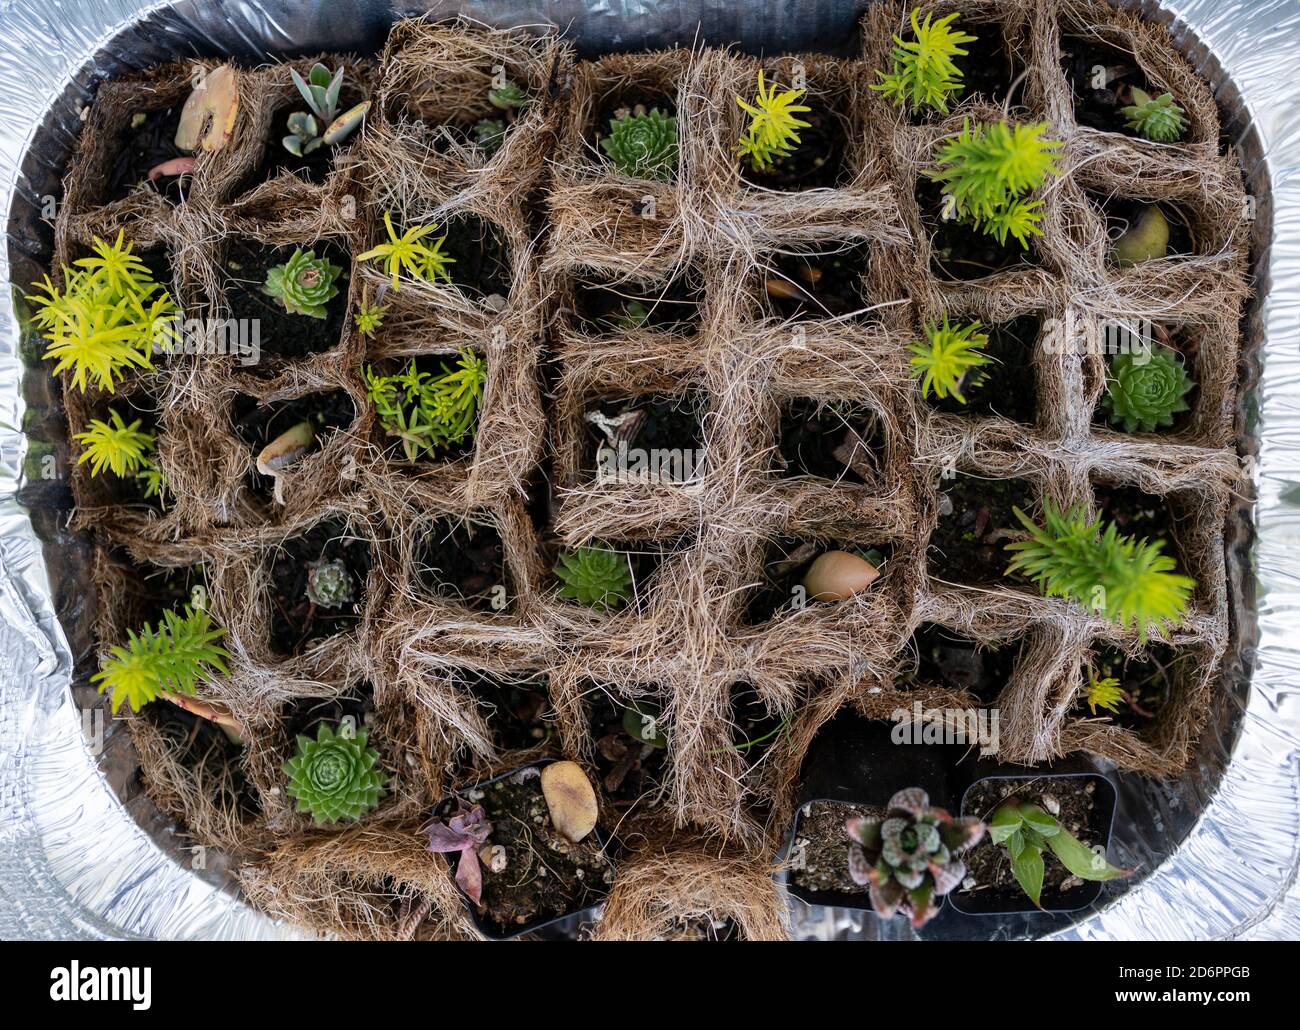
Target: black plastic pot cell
[491,930]
[994,903]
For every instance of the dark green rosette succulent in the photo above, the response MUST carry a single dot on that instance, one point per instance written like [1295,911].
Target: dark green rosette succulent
[643,143]
[334,777]
[304,284]
[910,856]
[329,584]
[595,576]
[1145,391]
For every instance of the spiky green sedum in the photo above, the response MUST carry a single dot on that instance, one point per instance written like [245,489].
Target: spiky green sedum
[1126,580]
[950,351]
[642,143]
[1156,118]
[988,170]
[595,576]
[124,450]
[407,252]
[1104,693]
[334,777]
[924,74]
[773,130]
[911,857]
[1145,391]
[1026,829]
[425,411]
[304,284]
[369,317]
[172,658]
[108,319]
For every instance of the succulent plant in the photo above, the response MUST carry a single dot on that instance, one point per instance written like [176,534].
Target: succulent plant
[108,319]
[949,353]
[329,584]
[428,412]
[924,74]
[334,777]
[507,96]
[1156,118]
[170,659]
[642,143]
[773,130]
[125,450]
[369,317]
[309,130]
[1144,392]
[1104,693]
[595,576]
[910,857]
[1025,829]
[633,317]
[988,168]
[1124,579]
[407,253]
[465,831]
[489,134]
[304,284]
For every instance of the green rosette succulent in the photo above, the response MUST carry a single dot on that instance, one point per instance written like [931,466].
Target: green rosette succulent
[1145,391]
[643,143]
[334,777]
[1156,118]
[594,576]
[329,584]
[304,284]
[910,858]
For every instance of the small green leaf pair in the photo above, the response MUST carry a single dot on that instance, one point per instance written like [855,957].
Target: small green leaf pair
[1026,829]
[321,91]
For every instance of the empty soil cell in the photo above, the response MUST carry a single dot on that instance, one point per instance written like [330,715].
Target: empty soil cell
[617,101]
[755,727]
[780,588]
[295,619]
[844,443]
[258,424]
[660,431]
[816,163]
[518,712]
[481,265]
[147,141]
[1102,78]
[1142,515]
[463,562]
[989,865]
[390,444]
[631,771]
[819,857]
[960,252]
[1121,213]
[546,875]
[1182,341]
[279,333]
[1147,682]
[1007,385]
[202,748]
[149,590]
[825,283]
[611,307]
[976,522]
[946,658]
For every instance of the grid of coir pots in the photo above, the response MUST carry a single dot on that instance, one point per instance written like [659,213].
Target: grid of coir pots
[457,651]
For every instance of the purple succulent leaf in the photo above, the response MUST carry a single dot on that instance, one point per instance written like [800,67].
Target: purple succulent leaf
[864,830]
[472,824]
[912,800]
[443,839]
[886,897]
[859,865]
[470,876]
[962,834]
[947,876]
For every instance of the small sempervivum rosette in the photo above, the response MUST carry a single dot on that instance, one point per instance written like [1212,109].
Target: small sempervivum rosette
[334,777]
[304,284]
[911,857]
[1145,391]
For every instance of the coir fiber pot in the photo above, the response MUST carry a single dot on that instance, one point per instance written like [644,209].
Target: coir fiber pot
[486,928]
[1005,903]
[857,761]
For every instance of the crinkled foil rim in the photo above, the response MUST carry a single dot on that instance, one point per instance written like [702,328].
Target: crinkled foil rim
[75,861]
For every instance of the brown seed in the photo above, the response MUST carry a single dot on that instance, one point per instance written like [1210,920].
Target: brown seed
[838,575]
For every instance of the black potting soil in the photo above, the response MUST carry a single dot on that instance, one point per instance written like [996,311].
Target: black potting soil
[295,619]
[626,306]
[154,589]
[654,423]
[826,283]
[1147,682]
[819,857]
[464,562]
[1101,79]
[976,523]
[630,770]
[482,265]
[147,142]
[1142,515]
[281,334]
[518,713]
[946,658]
[1006,386]
[957,250]
[842,444]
